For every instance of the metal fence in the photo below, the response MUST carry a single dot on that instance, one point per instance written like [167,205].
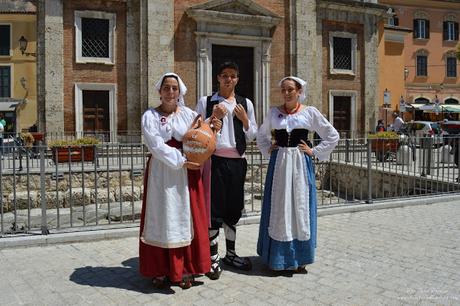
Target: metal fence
[85,187]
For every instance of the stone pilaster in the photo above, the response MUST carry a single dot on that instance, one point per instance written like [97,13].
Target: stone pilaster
[306,48]
[133,92]
[160,44]
[50,66]
[371,72]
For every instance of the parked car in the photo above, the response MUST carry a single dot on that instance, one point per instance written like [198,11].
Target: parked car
[450,131]
[423,130]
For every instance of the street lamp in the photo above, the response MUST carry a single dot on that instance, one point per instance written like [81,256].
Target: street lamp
[23,47]
[406,73]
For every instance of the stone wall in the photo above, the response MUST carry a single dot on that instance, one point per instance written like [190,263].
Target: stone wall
[76,189]
[351,182]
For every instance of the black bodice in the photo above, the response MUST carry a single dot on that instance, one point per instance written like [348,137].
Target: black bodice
[292,139]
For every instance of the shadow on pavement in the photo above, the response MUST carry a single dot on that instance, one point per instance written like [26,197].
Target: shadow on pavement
[258,269]
[125,277]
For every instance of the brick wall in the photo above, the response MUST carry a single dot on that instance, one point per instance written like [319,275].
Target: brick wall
[94,73]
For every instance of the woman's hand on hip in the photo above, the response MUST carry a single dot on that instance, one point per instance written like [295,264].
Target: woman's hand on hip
[303,146]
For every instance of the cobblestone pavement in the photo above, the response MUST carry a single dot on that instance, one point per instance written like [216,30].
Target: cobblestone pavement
[395,256]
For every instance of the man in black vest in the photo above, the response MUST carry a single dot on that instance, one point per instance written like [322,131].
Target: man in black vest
[228,164]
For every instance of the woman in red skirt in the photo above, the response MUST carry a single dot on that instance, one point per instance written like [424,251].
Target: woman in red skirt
[174,242]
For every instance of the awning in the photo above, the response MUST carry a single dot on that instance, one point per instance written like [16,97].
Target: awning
[8,106]
[451,108]
[431,108]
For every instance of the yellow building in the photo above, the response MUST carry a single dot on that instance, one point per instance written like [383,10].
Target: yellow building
[417,61]
[18,93]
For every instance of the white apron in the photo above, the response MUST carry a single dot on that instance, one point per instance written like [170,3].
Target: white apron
[290,185]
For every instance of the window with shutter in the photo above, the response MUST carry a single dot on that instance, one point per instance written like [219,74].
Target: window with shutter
[5,81]
[450,30]
[5,40]
[451,67]
[421,29]
[422,63]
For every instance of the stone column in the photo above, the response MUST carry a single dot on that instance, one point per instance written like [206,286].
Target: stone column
[371,73]
[133,90]
[306,52]
[50,66]
[159,44]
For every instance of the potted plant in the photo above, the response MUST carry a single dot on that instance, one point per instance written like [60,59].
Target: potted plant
[382,143]
[81,149]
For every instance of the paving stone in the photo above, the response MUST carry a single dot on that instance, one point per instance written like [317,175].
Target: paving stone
[400,256]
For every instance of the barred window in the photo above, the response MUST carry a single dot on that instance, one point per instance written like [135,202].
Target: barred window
[422,63]
[451,67]
[342,53]
[95,37]
[5,39]
[5,81]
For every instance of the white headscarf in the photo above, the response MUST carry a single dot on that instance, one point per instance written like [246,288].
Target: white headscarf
[182,87]
[302,83]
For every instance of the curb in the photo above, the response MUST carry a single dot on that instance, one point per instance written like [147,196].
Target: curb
[133,229]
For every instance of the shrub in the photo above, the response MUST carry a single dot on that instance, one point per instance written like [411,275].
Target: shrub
[75,142]
[384,135]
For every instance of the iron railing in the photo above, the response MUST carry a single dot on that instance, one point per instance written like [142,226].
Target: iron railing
[101,185]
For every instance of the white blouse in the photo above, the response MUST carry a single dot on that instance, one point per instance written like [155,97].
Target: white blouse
[308,118]
[159,129]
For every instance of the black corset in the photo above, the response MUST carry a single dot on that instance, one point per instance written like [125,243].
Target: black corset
[292,139]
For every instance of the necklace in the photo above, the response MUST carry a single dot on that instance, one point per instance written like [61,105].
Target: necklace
[295,109]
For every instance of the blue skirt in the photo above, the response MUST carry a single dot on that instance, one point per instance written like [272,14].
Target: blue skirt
[286,255]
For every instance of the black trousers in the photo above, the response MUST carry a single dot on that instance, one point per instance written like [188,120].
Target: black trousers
[227,190]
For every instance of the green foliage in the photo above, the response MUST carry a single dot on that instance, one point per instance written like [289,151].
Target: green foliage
[384,135]
[75,142]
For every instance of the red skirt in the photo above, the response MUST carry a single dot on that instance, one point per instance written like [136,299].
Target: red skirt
[192,259]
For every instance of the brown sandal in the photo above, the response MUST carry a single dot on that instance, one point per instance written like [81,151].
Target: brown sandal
[187,282]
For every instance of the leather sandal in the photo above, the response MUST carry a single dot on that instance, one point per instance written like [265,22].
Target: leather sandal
[186,282]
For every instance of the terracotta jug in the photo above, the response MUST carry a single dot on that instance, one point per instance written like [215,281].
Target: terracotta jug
[199,142]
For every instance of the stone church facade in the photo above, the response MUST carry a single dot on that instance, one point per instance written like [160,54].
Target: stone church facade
[332,44]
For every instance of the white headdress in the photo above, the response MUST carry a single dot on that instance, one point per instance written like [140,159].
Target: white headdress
[302,83]
[182,87]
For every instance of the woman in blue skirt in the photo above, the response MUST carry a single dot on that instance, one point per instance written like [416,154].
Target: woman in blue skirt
[287,234]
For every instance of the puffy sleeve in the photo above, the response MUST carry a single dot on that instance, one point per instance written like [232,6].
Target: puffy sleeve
[156,144]
[201,107]
[251,132]
[264,137]
[328,134]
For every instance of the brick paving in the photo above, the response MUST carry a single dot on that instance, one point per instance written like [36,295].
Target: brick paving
[399,256]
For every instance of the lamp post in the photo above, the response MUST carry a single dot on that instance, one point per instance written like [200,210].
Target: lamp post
[386,104]
[406,73]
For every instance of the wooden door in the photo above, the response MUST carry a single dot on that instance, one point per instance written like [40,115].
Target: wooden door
[342,114]
[96,119]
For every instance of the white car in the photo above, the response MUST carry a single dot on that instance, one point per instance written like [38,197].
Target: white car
[423,130]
